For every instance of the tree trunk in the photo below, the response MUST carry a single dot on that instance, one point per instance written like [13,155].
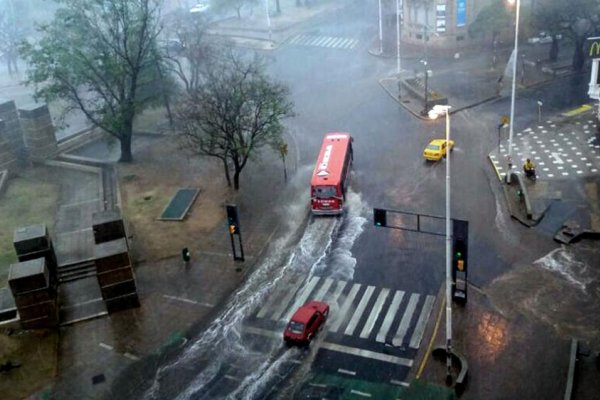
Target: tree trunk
[236,179]
[227,176]
[126,148]
[238,13]
[278,6]
[578,56]
[553,55]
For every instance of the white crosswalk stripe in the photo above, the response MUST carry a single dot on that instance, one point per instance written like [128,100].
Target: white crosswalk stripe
[345,307]
[374,314]
[389,318]
[301,299]
[411,312]
[359,310]
[406,318]
[415,340]
[324,41]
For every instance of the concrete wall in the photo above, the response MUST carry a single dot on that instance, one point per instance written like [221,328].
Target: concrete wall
[38,132]
[12,137]
[8,158]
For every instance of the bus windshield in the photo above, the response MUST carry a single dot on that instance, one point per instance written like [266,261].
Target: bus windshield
[325,191]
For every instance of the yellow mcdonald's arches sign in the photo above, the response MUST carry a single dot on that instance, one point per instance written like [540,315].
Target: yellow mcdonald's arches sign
[593,47]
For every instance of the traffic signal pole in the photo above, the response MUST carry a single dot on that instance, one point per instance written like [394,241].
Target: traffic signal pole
[456,233]
[234,230]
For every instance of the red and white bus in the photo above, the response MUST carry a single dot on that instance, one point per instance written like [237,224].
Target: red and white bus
[331,175]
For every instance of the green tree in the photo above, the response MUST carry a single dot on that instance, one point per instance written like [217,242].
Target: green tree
[491,20]
[548,17]
[235,112]
[194,52]
[100,57]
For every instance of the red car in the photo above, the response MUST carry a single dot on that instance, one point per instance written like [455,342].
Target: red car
[305,323]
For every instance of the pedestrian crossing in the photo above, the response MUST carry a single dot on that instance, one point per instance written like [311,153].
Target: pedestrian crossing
[324,41]
[367,312]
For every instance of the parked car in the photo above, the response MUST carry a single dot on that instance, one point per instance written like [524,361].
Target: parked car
[305,323]
[542,37]
[437,148]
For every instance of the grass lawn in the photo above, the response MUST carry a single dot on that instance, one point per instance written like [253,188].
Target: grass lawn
[31,198]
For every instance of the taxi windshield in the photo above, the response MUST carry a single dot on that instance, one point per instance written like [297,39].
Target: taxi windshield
[296,327]
[433,147]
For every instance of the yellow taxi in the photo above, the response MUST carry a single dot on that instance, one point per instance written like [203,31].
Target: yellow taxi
[437,148]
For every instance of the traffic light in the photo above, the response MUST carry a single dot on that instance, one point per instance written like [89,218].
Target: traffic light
[460,246]
[380,217]
[232,219]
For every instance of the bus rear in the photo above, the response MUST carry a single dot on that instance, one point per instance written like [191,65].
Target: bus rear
[331,174]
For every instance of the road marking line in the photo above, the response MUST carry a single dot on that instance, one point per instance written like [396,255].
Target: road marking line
[318,41]
[390,316]
[345,371]
[375,311]
[319,385]
[263,332]
[346,44]
[578,110]
[230,377]
[345,307]
[417,335]
[273,305]
[431,340]
[83,303]
[284,303]
[340,285]
[354,43]
[328,42]
[359,310]
[337,42]
[303,296]
[367,354]
[184,300]
[131,356]
[399,383]
[406,318]
[320,296]
[106,346]
[363,394]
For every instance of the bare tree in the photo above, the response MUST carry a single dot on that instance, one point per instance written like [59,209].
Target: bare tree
[235,112]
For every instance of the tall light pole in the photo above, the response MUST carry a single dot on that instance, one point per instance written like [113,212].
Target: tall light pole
[380,31]
[437,110]
[514,88]
[268,18]
[398,38]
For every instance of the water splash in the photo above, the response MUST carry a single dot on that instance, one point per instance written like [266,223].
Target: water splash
[562,261]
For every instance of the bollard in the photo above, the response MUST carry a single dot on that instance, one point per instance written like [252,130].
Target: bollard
[185,254]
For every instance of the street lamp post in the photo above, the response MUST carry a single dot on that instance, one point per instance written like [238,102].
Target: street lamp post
[268,18]
[398,37]
[380,31]
[437,110]
[514,87]
[425,105]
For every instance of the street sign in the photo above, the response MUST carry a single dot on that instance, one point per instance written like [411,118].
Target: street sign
[504,120]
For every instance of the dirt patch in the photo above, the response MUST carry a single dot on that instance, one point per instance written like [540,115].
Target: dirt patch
[148,184]
[35,352]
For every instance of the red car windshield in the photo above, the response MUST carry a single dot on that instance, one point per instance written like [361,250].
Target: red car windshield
[296,327]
